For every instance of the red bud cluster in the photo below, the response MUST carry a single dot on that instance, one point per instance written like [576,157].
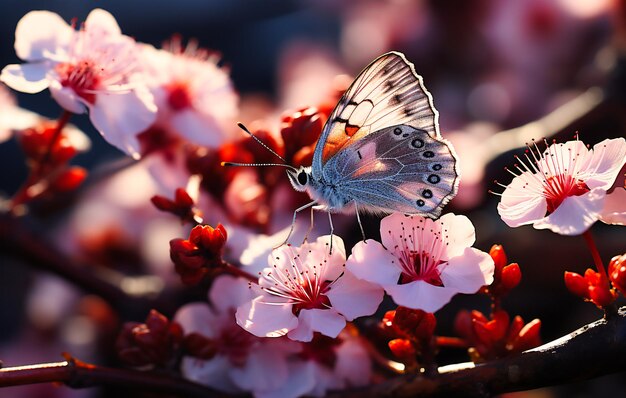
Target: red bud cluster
[194,257]
[505,277]
[154,343]
[617,273]
[412,332]
[42,142]
[591,287]
[48,151]
[496,337]
[182,206]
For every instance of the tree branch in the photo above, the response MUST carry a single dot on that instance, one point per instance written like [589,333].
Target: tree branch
[145,292]
[593,350]
[78,374]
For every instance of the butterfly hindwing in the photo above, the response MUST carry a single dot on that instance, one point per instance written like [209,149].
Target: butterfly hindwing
[386,93]
[399,168]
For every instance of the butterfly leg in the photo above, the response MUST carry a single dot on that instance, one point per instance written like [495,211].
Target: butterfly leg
[293,221]
[306,237]
[332,229]
[358,219]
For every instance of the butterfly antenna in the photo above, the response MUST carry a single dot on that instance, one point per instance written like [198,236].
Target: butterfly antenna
[244,128]
[258,165]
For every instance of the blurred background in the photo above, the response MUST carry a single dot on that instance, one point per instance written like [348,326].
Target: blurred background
[491,66]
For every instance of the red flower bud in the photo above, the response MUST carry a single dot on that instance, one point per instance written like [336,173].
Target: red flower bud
[199,346]
[499,257]
[497,338]
[511,276]
[152,343]
[202,251]
[182,206]
[414,323]
[576,284]
[590,287]
[69,179]
[528,337]
[617,273]
[403,350]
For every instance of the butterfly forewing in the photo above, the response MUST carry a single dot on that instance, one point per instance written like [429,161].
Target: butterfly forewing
[386,93]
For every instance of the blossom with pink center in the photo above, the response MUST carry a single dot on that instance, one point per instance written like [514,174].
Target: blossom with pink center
[306,290]
[195,97]
[563,189]
[94,69]
[241,362]
[423,262]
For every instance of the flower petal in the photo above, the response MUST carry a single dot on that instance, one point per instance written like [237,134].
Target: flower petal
[198,128]
[420,295]
[266,319]
[463,236]
[101,22]
[614,211]
[256,375]
[576,214]
[327,322]
[228,293]
[67,98]
[26,78]
[468,272]
[300,382]
[353,363]
[213,373]
[354,297]
[39,33]
[371,262]
[609,156]
[198,318]
[522,202]
[389,224]
[120,117]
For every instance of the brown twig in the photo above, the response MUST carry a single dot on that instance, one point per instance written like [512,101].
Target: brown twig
[78,374]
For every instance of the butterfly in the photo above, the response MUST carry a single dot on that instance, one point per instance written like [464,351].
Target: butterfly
[380,150]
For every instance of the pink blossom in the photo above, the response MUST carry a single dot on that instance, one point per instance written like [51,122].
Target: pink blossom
[195,97]
[337,363]
[614,210]
[306,290]
[423,262]
[241,362]
[563,189]
[94,69]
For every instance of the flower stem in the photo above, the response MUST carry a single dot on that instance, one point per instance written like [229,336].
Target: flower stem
[596,256]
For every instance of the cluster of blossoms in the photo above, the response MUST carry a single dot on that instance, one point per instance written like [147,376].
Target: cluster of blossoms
[98,69]
[297,313]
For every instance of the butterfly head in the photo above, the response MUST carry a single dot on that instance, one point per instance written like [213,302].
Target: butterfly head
[299,178]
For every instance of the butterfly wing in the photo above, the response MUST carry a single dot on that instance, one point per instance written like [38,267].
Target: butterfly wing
[399,168]
[386,93]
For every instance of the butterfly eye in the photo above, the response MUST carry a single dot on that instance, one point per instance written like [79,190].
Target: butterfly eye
[302,178]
